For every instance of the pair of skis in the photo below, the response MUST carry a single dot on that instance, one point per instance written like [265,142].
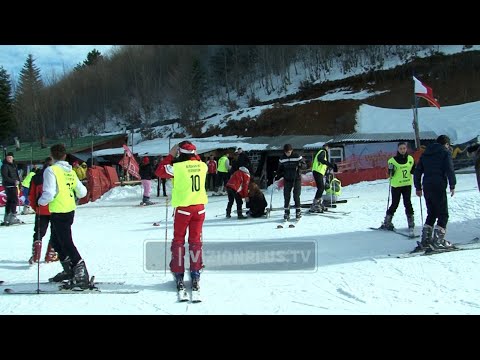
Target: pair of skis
[473,244]
[396,232]
[19,223]
[288,224]
[182,295]
[145,205]
[94,289]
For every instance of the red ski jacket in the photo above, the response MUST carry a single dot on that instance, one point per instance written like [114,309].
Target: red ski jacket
[36,188]
[239,181]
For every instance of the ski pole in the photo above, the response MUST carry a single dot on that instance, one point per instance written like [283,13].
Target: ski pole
[39,239]
[271,193]
[166,234]
[389,191]
[331,190]
[421,210]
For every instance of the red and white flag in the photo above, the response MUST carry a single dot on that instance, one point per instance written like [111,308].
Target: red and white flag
[129,163]
[424,91]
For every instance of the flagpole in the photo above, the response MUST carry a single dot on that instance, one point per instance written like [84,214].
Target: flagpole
[415,119]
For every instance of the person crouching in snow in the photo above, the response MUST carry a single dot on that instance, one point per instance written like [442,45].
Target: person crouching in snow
[146,174]
[256,202]
[189,197]
[237,189]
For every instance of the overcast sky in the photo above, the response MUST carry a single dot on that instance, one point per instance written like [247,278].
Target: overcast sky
[48,58]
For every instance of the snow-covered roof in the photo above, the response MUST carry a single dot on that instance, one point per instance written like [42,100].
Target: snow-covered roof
[460,122]
[378,137]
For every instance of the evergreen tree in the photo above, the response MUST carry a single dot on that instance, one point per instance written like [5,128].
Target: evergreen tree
[93,57]
[198,89]
[31,124]
[7,121]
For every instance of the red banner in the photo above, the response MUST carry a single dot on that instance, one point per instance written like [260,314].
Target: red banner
[129,163]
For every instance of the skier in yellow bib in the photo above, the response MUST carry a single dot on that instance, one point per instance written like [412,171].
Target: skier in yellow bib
[60,186]
[401,168]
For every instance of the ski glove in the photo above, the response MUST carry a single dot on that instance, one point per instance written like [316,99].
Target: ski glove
[391,170]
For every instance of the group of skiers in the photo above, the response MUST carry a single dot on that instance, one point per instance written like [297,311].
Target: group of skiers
[219,174]
[53,190]
[431,176]
[52,193]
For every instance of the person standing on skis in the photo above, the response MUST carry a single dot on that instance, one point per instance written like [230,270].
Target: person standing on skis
[400,169]
[289,167]
[319,168]
[188,198]
[42,219]
[60,187]
[436,167]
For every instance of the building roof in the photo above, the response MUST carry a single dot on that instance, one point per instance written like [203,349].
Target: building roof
[297,141]
[379,137]
[32,151]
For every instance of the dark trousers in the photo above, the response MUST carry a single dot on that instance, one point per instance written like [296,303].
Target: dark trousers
[211,182]
[320,184]
[287,189]
[62,227]
[406,192]
[12,200]
[233,195]
[437,207]
[163,181]
[222,179]
[40,229]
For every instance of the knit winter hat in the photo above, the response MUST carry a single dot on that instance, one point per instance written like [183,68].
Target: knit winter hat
[145,160]
[187,147]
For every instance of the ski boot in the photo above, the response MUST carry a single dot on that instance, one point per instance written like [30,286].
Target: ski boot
[12,219]
[51,255]
[298,214]
[286,215]
[67,272]
[36,252]
[317,206]
[195,276]
[228,212]
[178,277]
[80,279]
[411,225]
[240,215]
[439,241]
[27,210]
[181,290]
[424,244]
[387,223]
[5,222]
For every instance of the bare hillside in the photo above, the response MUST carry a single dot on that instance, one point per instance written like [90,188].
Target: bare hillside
[453,78]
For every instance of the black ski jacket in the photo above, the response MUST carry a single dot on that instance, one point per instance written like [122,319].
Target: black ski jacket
[436,165]
[289,167]
[9,174]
